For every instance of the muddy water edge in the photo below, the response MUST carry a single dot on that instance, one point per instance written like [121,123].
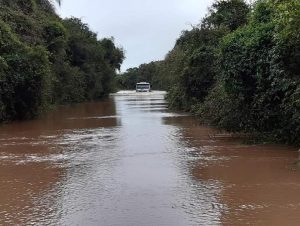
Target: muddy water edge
[129,161]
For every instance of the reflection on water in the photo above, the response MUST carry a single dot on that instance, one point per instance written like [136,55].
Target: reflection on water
[130,161]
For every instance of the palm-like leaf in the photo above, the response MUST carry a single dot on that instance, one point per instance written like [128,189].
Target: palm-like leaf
[49,4]
[58,1]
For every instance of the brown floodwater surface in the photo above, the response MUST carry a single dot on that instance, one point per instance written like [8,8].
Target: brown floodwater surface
[128,161]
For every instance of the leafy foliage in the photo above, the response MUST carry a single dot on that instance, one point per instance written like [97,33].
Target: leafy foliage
[229,14]
[45,60]
[24,83]
[260,74]
[239,69]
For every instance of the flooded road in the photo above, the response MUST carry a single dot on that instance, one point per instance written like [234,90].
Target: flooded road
[128,161]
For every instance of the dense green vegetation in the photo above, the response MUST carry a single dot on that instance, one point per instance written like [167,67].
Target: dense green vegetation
[239,69]
[45,60]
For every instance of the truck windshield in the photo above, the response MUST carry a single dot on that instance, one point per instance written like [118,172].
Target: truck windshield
[142,86]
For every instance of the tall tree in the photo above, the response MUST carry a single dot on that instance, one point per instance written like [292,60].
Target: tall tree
[230,14]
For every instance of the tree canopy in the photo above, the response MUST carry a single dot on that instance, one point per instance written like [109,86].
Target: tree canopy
[239,68]
[45,60]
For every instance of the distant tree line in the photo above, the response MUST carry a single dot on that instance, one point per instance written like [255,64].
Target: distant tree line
[144,73]
[45,60]
[239,69]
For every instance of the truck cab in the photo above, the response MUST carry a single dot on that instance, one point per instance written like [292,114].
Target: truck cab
[143,87]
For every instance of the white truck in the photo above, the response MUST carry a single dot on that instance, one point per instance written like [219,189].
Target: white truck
[143,87]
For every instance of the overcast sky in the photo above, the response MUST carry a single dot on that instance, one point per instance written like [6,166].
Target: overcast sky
[146,29]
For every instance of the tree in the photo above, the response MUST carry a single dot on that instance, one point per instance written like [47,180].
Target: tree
[239,69]
[45,60]
[230,14]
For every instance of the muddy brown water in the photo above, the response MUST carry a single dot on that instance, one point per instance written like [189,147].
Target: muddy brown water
[128,161]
